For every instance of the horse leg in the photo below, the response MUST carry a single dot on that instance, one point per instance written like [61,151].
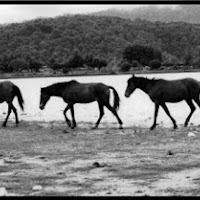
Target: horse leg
[115,113]
[101,110]
[73,118]
[64,112]
[8,114]
[168,113]
[155,116]
[16,116]
[197,101]
[192,107]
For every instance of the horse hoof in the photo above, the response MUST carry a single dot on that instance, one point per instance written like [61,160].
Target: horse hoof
[69,125]
[151,128]
[120,127]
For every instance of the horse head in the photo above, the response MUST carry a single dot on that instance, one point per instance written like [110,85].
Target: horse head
[44,97]
[131,86]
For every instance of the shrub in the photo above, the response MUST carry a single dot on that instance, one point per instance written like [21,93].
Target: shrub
[135,63]
[66,70]
[155,64]
[167,63]
[125,67]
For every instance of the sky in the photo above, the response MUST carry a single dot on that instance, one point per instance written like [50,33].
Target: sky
[12,13]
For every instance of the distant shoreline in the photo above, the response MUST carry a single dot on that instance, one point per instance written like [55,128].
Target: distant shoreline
[41,75]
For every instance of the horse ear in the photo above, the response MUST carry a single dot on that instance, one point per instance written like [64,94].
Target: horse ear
[133,76]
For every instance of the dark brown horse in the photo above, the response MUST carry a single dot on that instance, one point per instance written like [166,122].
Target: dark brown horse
[74,92]
[161,91]
[7,93]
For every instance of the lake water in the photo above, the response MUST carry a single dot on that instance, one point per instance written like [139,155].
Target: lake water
[137,110]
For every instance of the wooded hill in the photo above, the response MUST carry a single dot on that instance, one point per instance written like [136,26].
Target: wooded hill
[106,37]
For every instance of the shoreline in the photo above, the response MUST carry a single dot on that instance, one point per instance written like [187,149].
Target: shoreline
[42,75]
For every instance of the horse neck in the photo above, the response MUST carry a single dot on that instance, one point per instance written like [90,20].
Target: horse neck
[54,90]
[57,89]
[146,85]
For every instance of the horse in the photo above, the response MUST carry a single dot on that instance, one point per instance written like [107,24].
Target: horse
[161,91]
[8,91]
[74,92]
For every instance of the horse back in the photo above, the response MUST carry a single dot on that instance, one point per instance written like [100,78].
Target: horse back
[172,90]
[85,92]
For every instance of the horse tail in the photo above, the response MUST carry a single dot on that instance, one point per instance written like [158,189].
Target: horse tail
[19,96]
[116,98]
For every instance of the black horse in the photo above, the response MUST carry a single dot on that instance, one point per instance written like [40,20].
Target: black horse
[7,93]
[74,92]
[161,91]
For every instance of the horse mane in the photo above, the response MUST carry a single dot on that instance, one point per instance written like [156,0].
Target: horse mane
[152,79]
[63,84]
[146,81]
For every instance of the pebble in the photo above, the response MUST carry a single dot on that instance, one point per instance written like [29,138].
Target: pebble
[170,153]
[190,134]
[66,131]
[96,164]
[37,187]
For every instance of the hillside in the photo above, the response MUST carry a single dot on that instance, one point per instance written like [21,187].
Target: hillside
[44,39]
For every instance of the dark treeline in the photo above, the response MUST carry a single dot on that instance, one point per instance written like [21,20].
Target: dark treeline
[93,39]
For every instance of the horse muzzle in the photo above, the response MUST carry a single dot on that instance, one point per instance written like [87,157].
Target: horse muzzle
[127,94]
[41,107]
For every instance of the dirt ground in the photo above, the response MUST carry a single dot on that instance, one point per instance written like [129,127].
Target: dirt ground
[47,159]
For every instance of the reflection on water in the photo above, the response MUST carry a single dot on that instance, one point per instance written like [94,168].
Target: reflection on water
[137,110]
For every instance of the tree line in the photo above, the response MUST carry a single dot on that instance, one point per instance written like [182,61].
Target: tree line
[73,41]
